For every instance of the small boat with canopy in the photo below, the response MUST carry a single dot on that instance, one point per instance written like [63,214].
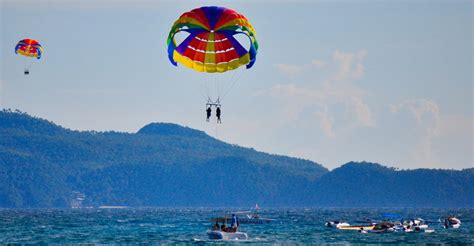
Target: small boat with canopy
[223,232]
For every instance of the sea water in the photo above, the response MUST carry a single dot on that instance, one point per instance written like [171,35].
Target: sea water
[189,225]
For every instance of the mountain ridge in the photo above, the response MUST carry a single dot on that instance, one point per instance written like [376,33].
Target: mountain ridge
[164,164]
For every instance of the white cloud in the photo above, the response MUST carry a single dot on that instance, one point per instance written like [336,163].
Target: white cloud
[326,123]
[363,113]
[322,97]
[318,63]
[425,111]
[291,70]
[428,118]
[350,65]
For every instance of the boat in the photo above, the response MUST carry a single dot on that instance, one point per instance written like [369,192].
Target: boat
[386,230]
[384,227]
[224,233]
[346,226]
[248,217]
[419,225]
[112,207]
[336,224]
[383,218]
[221,235]
[356,227]
[255,219]
[414,228]
[411,225]
[391,224]
[452,222]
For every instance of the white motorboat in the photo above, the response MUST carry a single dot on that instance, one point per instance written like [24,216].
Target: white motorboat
[227,235]
[336,224]
[452,222]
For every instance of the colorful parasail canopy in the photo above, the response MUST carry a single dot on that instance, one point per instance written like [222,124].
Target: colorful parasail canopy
[211,46]
[29,47]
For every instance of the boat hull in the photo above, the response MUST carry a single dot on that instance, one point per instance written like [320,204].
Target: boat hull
[220,235]
[255,221]
[388,230]
[356,227]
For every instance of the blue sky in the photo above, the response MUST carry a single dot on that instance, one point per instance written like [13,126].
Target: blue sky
[388,82]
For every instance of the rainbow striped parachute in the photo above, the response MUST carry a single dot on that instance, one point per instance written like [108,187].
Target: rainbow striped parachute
[29,47]
[211,46]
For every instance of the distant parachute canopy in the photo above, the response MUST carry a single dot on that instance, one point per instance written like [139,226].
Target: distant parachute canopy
[211,46]
[29,47]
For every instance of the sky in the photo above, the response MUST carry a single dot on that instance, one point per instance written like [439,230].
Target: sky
[334,81]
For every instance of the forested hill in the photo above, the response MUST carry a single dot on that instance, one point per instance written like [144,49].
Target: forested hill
[373,185]
[163,164]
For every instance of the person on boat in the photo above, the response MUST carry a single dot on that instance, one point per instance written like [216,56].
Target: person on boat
[408,227]
[208,112]
[234,223]
[218,114]
[223,227]
[216,226]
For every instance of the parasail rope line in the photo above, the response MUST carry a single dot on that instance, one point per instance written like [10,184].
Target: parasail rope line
[231,80]
[233,83]
[206,87]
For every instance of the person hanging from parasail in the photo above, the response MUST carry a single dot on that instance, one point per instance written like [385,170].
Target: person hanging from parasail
[211,45]
[208,112]
[29,48]
[218,114]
